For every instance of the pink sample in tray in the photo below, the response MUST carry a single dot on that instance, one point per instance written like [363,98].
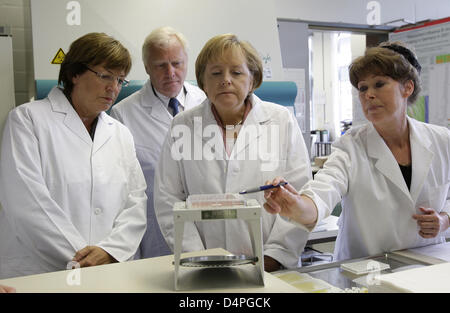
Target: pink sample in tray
[226,200]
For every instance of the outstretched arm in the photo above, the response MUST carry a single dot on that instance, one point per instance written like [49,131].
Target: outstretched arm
[287,202]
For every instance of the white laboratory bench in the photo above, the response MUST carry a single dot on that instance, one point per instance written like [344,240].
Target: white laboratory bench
[154,275]
[423,269]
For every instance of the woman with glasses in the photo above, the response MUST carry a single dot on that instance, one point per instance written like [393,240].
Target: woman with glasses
[72,190]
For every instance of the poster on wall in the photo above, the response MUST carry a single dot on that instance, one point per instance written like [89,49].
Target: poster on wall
[431,43]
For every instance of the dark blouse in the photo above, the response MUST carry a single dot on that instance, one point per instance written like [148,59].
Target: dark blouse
[407,172]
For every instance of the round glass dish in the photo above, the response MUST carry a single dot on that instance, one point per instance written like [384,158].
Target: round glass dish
[217,260]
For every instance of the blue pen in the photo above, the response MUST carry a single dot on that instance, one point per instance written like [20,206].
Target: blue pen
[262,188]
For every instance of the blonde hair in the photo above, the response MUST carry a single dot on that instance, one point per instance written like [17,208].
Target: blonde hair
[215,48]
[160,37]
[391,59]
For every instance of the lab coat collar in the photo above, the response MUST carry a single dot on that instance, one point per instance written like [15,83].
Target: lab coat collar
[207,118]
[193,94]
[386,162]
[154,105]
[61,104]
[421,157]
[256,117]
[257,114]
[420,154]
[103,132]
[58,101]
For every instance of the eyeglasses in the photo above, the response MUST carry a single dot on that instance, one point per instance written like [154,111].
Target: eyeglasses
[108,78]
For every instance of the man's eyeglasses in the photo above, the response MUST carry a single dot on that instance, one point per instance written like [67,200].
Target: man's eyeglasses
[108,78]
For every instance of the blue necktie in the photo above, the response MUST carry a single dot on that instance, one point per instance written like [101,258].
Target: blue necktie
[173,104]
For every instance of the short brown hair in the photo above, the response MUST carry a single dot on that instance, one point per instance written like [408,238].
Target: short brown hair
[92,49]
[215,49]
[382,60]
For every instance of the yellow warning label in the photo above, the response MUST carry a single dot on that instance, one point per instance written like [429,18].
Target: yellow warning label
[59,57]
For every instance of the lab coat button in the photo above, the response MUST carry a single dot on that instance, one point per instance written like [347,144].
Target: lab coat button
[97,211]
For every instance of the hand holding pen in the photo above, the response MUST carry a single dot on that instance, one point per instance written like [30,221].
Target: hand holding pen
[262,188]
[288,202]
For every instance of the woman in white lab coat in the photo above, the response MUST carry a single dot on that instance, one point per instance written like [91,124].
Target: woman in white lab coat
[232,141]
[393,174]
[72,190]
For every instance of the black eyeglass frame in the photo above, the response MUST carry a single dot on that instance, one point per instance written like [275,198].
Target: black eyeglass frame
[122,82]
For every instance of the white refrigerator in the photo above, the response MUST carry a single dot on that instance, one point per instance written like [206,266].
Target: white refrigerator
[7,99]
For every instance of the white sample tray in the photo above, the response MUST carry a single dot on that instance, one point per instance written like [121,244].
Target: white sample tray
[364,267]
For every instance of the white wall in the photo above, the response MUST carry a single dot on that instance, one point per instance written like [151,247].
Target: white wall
[6,79]
[16,13]
[131,21]
[355,11]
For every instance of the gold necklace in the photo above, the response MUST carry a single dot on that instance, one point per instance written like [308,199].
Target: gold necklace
[231,127]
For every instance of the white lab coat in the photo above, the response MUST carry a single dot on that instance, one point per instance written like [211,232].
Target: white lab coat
[377,206]
[217,174]
[149,120]
[62,191]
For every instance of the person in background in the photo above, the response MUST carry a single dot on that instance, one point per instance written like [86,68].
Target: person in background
[72,190]
[149,112]
[393,173]
[243,141]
